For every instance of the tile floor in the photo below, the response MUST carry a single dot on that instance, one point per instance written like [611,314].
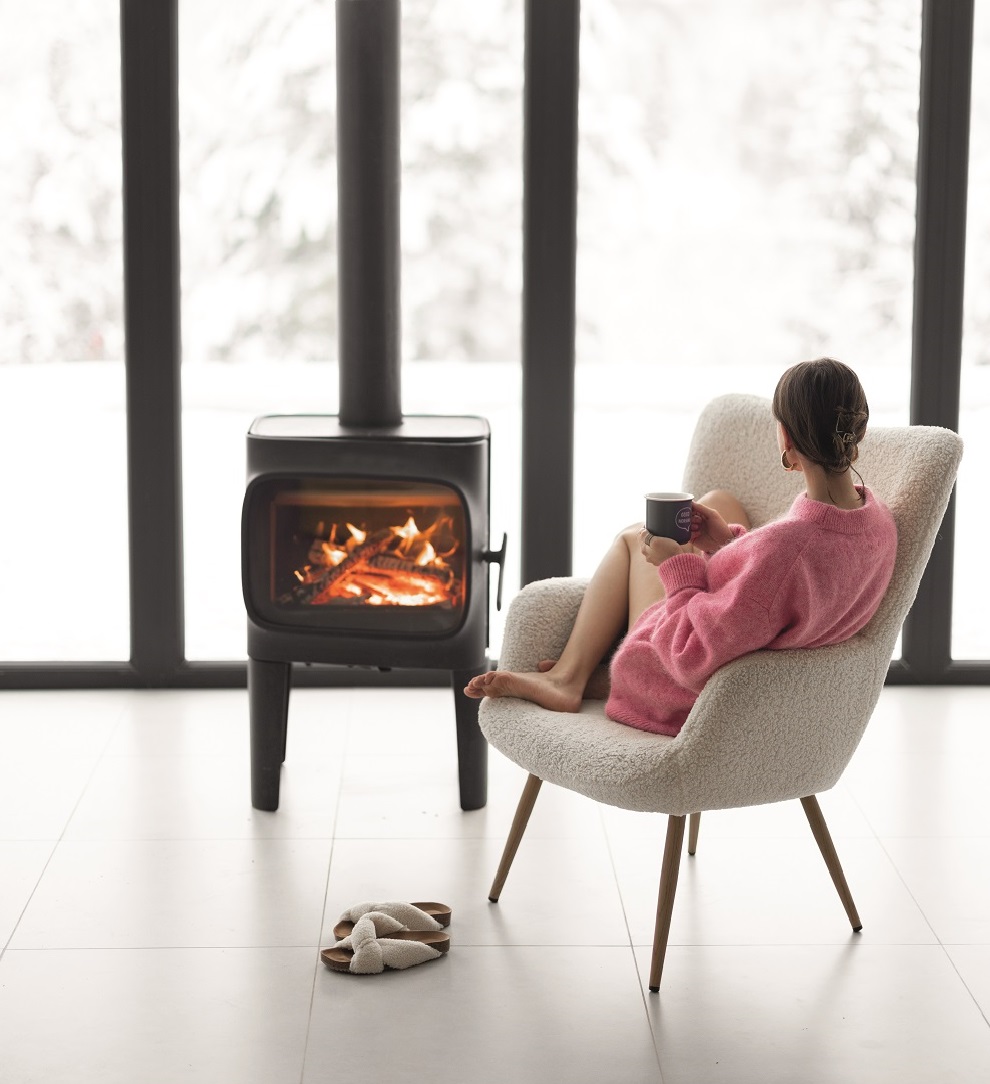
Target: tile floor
[154,928]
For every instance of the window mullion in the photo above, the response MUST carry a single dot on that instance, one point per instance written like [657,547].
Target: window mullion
[149,84]
[940,250]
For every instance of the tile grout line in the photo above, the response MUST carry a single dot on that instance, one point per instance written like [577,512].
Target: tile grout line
[632,947]
[938,940]
[894,866]
[323,912]
[65,827]
[954,966]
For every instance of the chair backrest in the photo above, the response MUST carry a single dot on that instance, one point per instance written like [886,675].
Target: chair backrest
[787,722]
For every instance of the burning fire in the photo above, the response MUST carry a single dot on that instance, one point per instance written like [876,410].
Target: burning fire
[393,566]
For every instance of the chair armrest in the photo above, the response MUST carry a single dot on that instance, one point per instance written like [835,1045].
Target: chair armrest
[539,620]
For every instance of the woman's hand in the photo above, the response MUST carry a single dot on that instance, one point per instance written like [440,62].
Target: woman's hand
[657,549]
[709,531]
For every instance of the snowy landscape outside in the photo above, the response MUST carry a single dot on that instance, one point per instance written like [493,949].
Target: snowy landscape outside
[746,201]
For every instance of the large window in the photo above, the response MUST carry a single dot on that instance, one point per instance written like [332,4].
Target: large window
[63,460]
[747,198]
[741,209]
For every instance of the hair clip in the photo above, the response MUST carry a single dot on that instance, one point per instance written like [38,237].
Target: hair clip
[845,436]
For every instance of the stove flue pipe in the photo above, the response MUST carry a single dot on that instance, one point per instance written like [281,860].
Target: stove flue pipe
[368,267]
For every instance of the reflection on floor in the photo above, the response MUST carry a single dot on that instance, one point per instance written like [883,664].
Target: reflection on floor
[155,928]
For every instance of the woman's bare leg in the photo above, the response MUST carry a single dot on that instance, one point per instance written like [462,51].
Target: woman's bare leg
[623,587]
[728,506]
[623,579]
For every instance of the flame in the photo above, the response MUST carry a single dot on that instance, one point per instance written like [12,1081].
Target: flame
[408,530]
[334,554]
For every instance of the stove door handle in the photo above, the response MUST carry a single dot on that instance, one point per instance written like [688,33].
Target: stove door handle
[497,557]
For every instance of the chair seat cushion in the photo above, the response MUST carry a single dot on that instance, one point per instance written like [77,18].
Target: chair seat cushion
[767,727]
[586,752]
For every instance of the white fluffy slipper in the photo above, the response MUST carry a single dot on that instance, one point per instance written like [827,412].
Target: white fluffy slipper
[379,942]
[414,916]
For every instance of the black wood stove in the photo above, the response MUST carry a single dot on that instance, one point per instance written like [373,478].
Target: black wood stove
[365,534]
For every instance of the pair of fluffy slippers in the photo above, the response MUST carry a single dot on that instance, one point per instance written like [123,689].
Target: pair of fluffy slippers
[375,937]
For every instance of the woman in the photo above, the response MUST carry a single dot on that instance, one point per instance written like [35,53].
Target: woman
[814,577]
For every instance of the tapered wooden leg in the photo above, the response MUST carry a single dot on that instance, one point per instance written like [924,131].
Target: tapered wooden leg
[694,823]
[824,840]
[665,903]
[519,822]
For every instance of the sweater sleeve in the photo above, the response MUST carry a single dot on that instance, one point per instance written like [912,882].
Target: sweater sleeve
[701,626]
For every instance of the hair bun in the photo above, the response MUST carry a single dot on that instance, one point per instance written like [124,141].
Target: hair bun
[822,406]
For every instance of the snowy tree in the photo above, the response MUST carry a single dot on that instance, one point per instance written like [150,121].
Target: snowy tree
[60,206]
[752,160]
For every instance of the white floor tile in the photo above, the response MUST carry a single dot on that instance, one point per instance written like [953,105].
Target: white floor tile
[39,792]
[22,865]
[203,797]
[401,723]
[485,1016]
[159,1016]
[169,722]
[920,770]
[179,893]
[70,724]
[416,797]
[973,964]
[558,892]
[923,795]
[215,722]
[919,721]
[818,1015]
[769,892]
[950,879]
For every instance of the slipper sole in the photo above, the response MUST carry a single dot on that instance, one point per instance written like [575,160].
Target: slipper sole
[340,959]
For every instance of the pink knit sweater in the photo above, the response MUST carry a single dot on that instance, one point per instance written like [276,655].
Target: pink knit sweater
[812,578]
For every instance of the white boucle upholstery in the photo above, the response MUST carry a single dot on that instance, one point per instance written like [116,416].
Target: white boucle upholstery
[769,726]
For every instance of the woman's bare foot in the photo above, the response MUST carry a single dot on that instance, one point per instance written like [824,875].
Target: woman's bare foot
[545,689]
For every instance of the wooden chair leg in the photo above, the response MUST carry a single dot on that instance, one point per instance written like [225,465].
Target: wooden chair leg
[665,902]
[519,822]
[694,823]
[813,812]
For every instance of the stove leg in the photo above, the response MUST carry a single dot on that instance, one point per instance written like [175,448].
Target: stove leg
[268,701]
[472,748]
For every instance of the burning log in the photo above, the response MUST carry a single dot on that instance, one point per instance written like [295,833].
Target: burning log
[319,591]
[398,566]
[443,573]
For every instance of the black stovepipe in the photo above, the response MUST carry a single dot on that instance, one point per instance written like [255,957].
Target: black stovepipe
[368,265]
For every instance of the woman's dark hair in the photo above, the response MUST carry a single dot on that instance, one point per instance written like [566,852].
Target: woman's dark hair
[823,407]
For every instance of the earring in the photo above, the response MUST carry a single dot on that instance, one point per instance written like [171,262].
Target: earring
[783,461]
